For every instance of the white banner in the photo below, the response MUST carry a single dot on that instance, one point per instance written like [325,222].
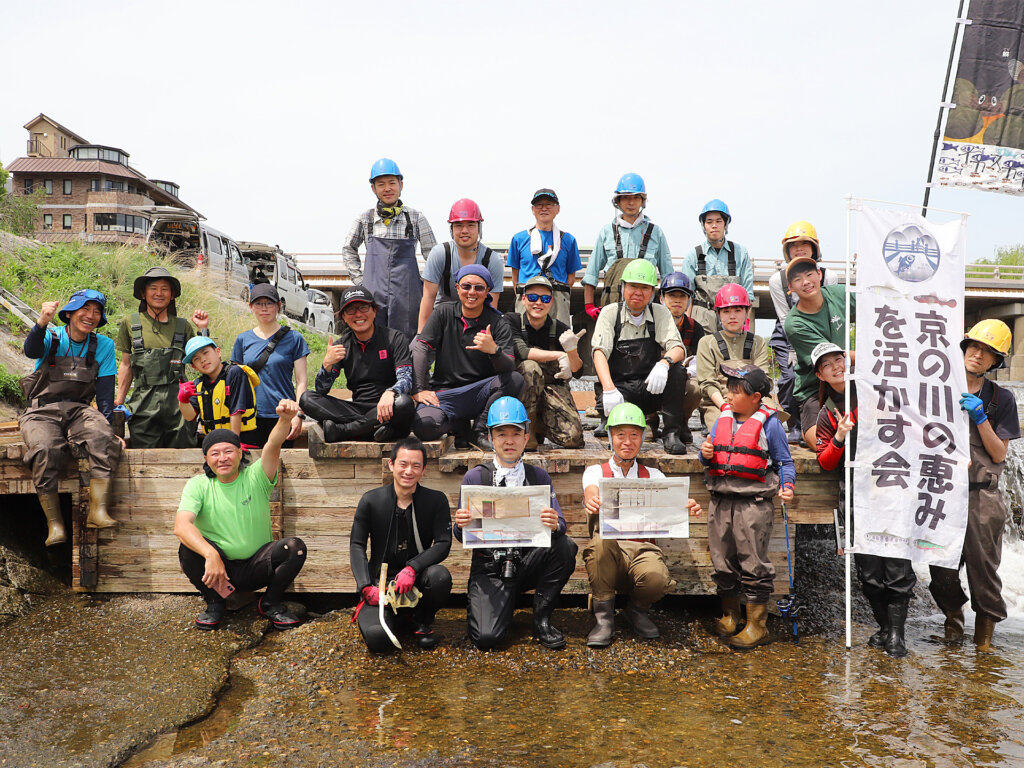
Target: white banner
[910,480]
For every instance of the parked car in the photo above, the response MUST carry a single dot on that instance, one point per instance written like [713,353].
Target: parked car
[269,264]
[321,311]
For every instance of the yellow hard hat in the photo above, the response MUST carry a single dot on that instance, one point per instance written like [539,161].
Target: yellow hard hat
[801,231]
[994,334]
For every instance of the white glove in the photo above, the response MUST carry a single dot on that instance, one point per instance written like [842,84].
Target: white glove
[564,371]
[791,358]
[691,367]
[610,399]
[657,378]
[569,340]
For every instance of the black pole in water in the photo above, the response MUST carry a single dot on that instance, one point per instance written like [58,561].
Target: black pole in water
[938,122]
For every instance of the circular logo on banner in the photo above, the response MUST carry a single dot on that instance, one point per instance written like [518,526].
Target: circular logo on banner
[911,253]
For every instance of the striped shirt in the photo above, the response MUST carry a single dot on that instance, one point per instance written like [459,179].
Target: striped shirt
[369,223]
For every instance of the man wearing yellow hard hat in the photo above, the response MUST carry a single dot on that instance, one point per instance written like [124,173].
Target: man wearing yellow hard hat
[994,423]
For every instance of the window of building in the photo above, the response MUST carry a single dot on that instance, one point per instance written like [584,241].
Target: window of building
[29,186]
[47,221]
[120,222]
[106,185]
[67,221]
[67,186]
[48,186]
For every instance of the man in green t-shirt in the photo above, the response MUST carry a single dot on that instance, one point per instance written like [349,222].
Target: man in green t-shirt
[819,316]
[223,522]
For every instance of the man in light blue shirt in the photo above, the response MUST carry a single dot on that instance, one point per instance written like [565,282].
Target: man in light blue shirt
[715,262]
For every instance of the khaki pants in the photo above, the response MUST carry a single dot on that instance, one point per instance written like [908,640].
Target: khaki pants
[739,529]
[691,401]
[49,429]
[549,403]
[559,307]
[634,568]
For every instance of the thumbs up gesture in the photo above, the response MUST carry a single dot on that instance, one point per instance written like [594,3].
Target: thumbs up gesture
[335,354]
[484,342]
[570,340]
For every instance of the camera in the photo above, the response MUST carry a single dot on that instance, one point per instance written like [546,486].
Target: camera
[506,562]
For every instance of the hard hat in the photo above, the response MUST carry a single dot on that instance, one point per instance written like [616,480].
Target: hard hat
[676,281]
[716,206]
[732,295]
[626,415]
[465,210]
[994,334]
[801,231]
[822,349]
[507,410]
[79,299]
[640,271]
[631,184]
[195,344]
[385,167]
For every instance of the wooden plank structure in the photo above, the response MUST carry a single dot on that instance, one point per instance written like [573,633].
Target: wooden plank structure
[316,498]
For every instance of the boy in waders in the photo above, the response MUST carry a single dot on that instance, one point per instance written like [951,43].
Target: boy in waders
[748,463]
[390,231]
[994,423]
[152,347]
[73,365]
[223,397]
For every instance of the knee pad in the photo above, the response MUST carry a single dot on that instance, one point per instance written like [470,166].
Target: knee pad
[291,548]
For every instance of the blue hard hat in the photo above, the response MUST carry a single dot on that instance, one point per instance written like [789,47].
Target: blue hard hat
[507,410]
[676,281]
[716,206]
[384,167]
[195,344]
[631,184]
[79,299]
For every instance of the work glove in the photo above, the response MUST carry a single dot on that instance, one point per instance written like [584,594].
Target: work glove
[405,580]
[371,594]
[186,391]
[974,407]
[564,369]
[593,310]
[123,409]
[610,399]
[657,378]
[569,340]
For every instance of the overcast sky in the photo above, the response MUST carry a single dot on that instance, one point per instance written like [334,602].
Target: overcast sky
[269,115]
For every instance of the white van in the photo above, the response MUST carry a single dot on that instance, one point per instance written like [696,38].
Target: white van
[269,264]
[321,312]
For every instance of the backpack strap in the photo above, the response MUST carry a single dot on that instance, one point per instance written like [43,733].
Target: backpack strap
[486,262]
[409,231]
[618,324]
[138,345]
[618,241]
[261,361]
[702,267]
[722,346]
[732,257]
[748,345]
[90,356]
[646,240]
[993,404]
[446,276]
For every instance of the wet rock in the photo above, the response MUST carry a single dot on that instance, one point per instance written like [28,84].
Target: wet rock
[12,603]
[28,578]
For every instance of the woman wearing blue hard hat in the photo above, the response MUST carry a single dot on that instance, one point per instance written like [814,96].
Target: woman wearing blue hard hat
[74,364]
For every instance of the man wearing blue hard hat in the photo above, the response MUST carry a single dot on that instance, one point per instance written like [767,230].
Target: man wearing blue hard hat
[715,262]
[74,364]
[390,230]
[498,576]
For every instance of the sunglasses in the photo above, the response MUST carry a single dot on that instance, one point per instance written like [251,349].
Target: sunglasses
[361,308]
[90,295]
[473,287]
[538,297]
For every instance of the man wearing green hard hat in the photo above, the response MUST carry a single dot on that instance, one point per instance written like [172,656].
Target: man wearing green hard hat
[638,355]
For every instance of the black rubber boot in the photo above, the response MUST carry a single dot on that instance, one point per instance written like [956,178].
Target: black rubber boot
[462,431]
[385,433]
[670,438]
[602,431]
[425,636]
[548,635]
[880,609]
[278,615]
[896,644]
[339,433]
[212,616]
[481,439]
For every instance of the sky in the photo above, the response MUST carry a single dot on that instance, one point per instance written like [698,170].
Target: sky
[269,115]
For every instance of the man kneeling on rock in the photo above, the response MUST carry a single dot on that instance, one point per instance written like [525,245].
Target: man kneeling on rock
[496,581]
[635,567]
[409,527]
[223,523]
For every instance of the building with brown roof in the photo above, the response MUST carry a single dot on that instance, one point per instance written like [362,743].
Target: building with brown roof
[91,192]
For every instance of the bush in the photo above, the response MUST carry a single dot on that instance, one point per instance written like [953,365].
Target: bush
[10,389]
[19,214]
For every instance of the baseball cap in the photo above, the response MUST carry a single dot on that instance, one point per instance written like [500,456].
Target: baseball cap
[800,260]
[264,291]
[356,293]
[757,378]
[544,192]
[538,279]
[822,349]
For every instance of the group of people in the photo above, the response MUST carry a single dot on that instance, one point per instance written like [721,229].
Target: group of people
[431,355]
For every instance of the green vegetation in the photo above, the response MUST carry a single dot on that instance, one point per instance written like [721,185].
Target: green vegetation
[10,390]
[19,213]
[1011,256]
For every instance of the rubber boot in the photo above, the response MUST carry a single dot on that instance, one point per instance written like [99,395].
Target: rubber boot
[639,618]
[880,609]
[755,633]
[983,629]
[99,491]
[604,624]
[548,635]
[953,627]
[895,643]
[425,636]
[602,429]
[50,502]
[481,439]
[670,438]
[729,623]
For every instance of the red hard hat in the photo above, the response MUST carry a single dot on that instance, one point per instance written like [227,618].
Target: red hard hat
[465,210]
[732,295]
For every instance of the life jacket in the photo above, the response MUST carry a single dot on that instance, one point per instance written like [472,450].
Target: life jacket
[744,453]
[213,401]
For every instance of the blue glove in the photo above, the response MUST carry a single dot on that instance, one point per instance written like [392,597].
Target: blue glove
[974,407]
[123,409]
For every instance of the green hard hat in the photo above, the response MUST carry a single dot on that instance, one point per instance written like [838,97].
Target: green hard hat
[627,415]
[640,271]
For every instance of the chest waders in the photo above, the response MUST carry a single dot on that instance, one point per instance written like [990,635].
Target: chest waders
[633,359]
[612,294]
[392,275]
[63,379]
[706,286]
[156,421]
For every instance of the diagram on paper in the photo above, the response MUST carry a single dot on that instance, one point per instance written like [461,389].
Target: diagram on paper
[505,517]
[644,508]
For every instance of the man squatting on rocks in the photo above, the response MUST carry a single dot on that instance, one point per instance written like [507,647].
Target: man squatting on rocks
[73,365]
[491,594]
[409,527]
[223,522]
[378,371]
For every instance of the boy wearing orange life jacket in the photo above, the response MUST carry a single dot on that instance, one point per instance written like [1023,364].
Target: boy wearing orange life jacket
[748,463]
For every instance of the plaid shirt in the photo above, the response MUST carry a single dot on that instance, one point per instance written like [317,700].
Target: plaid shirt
[370,223]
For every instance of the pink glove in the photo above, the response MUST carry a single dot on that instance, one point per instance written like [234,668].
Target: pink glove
[371,594]
[593,310]
[186,391]
[405,580]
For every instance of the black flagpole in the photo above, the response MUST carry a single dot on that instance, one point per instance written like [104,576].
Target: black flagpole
[938,123]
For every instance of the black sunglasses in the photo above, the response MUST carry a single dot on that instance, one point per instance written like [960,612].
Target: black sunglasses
[538,297]
[473,287]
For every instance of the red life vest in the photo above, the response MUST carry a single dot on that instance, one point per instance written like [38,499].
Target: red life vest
[744,453]
[641,470]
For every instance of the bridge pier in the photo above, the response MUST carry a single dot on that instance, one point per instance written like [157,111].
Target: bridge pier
[1011,313]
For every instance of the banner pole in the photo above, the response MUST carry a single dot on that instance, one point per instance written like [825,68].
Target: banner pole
[938,122]
[847,470]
